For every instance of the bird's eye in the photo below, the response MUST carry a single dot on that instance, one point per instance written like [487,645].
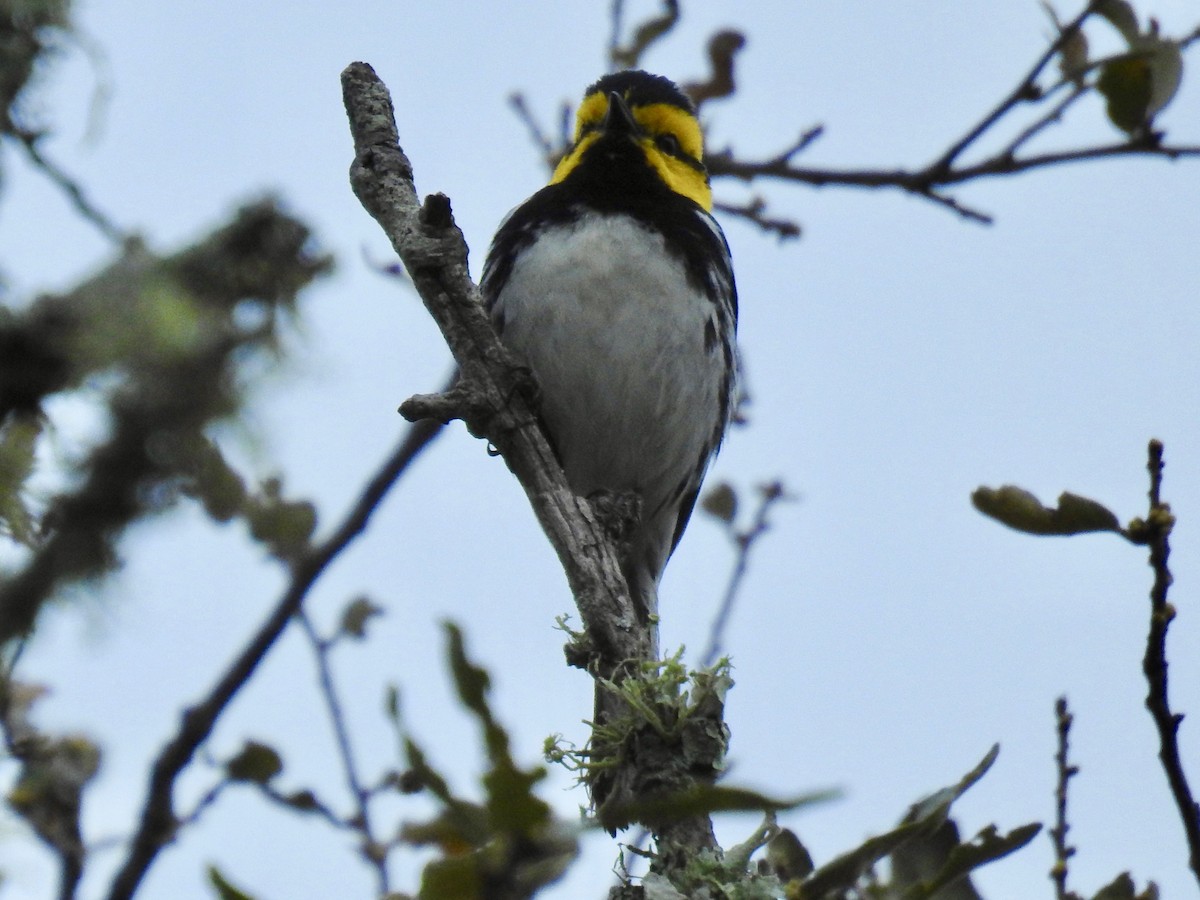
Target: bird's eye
[668,144]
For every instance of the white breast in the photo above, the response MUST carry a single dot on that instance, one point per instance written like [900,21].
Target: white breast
[614,332]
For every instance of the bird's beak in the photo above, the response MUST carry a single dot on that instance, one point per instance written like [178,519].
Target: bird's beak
[618,119]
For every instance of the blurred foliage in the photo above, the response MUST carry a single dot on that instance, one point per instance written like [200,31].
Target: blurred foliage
[223,888]
[168,334]
[1139,84]
[54,771]
[509,845]
[255,762]
[25,27]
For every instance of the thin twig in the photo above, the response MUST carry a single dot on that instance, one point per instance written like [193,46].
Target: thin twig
[1158,524]
[537,135]
[616,18]
[806,139]
[723,47]
[744,541]
[649,31]
[157,824]
[1038,125]
[1058,834]
[210,797]
[72,188]
[311,805]
[1025,90]
[754,212]
[321,648]
[945,170]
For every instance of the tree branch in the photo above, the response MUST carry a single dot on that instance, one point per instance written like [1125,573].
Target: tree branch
[1063,851]
[946,170]
[743,541]
[1158,529]
[1026,90]
[489,395]
[158,823]
[70,187]
[361,795]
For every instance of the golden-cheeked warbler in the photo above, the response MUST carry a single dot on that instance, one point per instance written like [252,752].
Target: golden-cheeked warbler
[614,285]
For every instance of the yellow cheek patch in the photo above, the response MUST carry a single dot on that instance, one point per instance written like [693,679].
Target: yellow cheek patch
[678,175]
[662,118]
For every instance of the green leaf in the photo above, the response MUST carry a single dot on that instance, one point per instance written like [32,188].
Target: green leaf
[472,681]
[709,798]
[1073,57]
[285,526]
[1123,888]
[422,773]
[225,890]
[1166,72]
[255,762]
[952,861]
[788,857]
[1073,53]
[473,684]
[1122,17]
[841,873]
[926,815]
[219,488]
[1140,84]
[721,503]
[302,801]
[458,829]
[511,803]
[356,615]
[1127,86]
[1019,509]
[936,806]
[456,877]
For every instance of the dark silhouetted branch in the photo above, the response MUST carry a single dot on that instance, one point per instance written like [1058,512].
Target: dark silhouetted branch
[1158,525]
[1065,772]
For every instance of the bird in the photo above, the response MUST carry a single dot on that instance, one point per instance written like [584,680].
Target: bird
[614,286]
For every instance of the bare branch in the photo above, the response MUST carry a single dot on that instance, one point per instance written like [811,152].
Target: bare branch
[755,212]
[925,182]
[69,186]
[550,153]
[743,541]
[930,181]
[651,30]
[1025,90]
[1158,525]
[1058,834]
[158,822]
[723,47]
[321,648]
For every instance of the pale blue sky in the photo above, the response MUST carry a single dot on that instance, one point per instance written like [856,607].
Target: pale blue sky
[898,357]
